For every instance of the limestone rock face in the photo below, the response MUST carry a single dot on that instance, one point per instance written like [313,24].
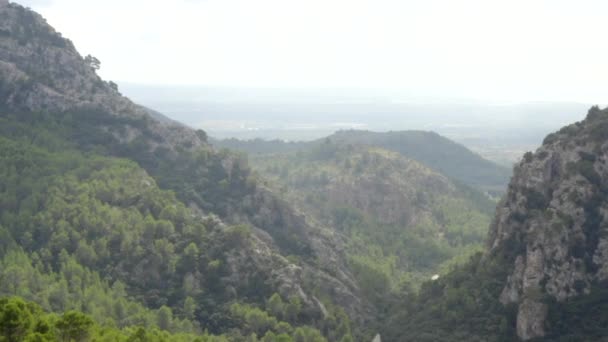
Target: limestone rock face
[530,318]
[553,222]
[264,258]
[40,71]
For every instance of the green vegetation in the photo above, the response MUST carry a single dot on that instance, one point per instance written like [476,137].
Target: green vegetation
[402,222]
[428,148]
[461,306]
[464,306]
[83,232]
[583,318]
[26,321]
[95,233]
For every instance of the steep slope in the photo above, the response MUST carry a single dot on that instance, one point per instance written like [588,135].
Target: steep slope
[51,97]
[400,220]
[544,274]
[96,234]
[554,222]
[428,148]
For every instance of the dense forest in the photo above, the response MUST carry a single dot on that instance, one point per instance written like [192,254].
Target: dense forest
[81,230]
[431,149]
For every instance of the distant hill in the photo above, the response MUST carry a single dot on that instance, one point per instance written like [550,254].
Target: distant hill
[402,221]
[435,151]
[260,146]
[440,153]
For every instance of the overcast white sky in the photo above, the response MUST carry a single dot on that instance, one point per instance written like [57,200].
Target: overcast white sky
[485,49]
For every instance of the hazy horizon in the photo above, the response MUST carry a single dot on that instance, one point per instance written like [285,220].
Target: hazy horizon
[498,131]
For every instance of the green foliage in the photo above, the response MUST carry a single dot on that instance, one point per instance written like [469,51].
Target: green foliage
[217,182]
[72,210]
[381,255]
[26,321]
[16,319]
[91,233]
[237,235]
[372,279]
[74,326]
[256,322]
[583,318]
[275,306]
[535,200]
[431,149]
[461,306]
[586,169]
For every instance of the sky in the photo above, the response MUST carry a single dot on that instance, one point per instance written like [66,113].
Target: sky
[517,50]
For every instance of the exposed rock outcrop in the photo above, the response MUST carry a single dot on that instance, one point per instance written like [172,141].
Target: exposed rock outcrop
[40,71]
[553,222]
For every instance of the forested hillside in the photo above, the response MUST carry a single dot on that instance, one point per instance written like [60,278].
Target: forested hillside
[436,152]
[92,233]
[401,221]
[138,222]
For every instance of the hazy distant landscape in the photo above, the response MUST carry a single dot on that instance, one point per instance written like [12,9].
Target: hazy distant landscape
[501,132]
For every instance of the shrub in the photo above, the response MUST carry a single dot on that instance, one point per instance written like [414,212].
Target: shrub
[587,169]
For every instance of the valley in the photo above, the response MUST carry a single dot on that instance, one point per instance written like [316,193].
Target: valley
[118,223]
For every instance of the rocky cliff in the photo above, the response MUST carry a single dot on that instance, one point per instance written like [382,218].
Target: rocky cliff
[553,222]
[40,71]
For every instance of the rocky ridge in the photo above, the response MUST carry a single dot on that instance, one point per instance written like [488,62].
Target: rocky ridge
[553,222]
[40,71]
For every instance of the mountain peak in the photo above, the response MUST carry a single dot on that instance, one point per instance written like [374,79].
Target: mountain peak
[40,71]
[44,71]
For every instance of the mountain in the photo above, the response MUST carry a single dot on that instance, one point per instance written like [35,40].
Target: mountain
[543,275]
[428,148]
[101,195]
[555,214]
[399,218]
